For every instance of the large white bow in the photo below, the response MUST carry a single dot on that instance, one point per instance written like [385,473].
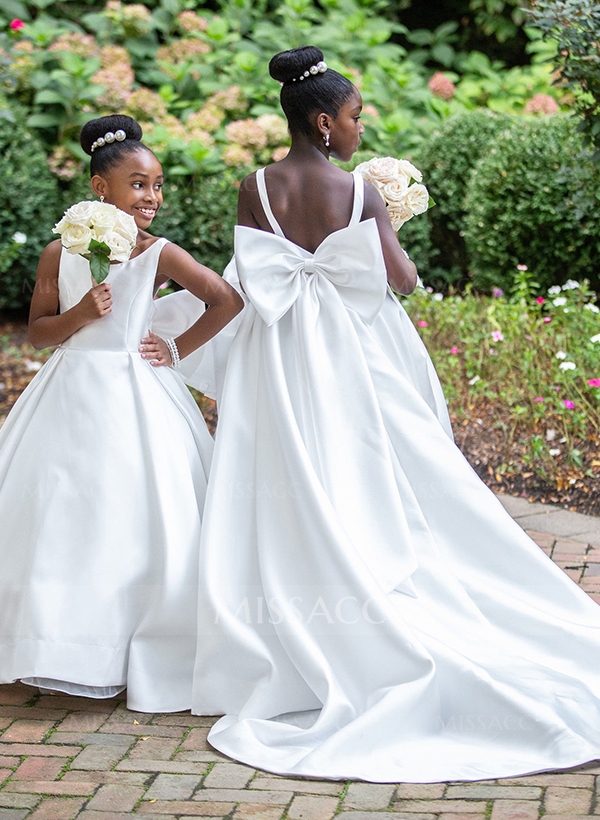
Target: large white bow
[274,271]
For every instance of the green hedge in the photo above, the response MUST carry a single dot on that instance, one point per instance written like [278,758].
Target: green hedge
[521,206]
[29,204]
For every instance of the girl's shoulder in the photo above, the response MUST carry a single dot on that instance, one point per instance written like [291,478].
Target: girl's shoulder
[50,256]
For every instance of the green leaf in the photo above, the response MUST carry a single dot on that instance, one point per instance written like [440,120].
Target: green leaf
[43,120]
[99,248]
[48,96]
[100,267]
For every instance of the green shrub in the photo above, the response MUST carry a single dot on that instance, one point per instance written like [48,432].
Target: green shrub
[200,216]
[447,161]
[29,202]
[521,209]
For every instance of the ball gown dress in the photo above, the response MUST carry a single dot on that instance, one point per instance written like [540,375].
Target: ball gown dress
[104,462]
[367,608]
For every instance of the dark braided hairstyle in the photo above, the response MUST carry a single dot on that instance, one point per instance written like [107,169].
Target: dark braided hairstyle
[106,157]
[319,92]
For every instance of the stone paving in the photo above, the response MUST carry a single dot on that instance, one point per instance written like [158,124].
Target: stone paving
[63,758]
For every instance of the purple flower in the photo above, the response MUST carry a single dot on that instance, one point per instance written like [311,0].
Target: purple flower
[497,293]
[569,404]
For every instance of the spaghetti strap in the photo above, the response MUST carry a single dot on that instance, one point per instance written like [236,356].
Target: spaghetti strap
[359,196]
[264,201]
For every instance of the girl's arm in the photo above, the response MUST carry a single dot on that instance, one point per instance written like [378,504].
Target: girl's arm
[46,328]
[223,304]
[401,272]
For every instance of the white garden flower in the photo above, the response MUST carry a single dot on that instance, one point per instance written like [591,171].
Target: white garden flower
[555,451]
[554,290]
[561,354]
[571,284]
[560,301]
[592,307]
[595,339]
[19,238]
[475,379]
[438,297]
[567,365]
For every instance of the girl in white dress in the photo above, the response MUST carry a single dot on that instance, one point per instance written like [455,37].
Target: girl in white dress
[104,462]
[367,607]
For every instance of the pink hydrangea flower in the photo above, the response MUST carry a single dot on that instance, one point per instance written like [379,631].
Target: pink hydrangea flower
[594,382]
[569,404]
[421,323]
[440,86]
[541,104]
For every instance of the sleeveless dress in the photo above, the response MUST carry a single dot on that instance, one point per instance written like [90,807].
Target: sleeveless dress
[103,470]
[367,608]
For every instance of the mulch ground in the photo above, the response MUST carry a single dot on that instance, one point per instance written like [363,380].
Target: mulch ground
[497,451]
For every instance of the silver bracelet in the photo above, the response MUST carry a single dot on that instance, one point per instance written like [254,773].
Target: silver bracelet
[173,350]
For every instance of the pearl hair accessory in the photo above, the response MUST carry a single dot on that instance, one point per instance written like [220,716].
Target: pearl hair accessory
[319,68]
[174,351]
[108,138]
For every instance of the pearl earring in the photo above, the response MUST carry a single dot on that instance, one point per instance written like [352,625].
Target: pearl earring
[326,141]
[101,199]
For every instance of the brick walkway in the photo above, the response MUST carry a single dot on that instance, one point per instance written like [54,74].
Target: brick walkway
[63,758]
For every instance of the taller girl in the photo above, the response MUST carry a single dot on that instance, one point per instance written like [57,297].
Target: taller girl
[368,609]
[104,462]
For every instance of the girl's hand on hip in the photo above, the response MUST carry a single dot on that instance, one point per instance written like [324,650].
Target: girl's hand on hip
[155,351]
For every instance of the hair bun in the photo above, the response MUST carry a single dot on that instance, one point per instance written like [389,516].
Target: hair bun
[102,125]
[293,63]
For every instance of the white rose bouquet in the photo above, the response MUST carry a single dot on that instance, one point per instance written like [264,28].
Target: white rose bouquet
[393,178]
[99,232]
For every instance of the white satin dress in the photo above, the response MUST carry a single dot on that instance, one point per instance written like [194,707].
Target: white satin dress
[367,608]
[104,462]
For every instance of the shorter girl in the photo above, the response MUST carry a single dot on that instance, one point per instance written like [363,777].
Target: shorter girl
[104,461]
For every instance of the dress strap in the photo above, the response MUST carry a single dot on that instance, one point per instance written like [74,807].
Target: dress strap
[359,197]
[264,201]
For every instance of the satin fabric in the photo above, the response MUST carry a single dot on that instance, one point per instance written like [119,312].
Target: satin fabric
[367,608]
[103,470]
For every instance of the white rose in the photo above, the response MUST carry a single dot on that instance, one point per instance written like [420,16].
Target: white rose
[417,198]
[125,225]
[399,214]
[76,238]
[395,191]
[120,248]
[60,226]
[80,214]
[408,169]
[382,170]
[104,218]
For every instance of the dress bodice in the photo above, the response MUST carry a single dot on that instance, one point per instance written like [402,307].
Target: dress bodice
[275,272]
[132,290]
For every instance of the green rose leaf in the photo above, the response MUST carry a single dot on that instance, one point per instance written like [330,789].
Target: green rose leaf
[99,265]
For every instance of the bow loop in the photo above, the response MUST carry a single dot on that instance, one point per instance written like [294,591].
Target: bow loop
[276,272]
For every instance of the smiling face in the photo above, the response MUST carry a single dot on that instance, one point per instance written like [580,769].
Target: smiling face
[134,186]
[346,129]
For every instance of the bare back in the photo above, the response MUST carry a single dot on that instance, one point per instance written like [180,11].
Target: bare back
[310,201]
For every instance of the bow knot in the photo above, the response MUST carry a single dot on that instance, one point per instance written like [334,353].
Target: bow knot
[349,261]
